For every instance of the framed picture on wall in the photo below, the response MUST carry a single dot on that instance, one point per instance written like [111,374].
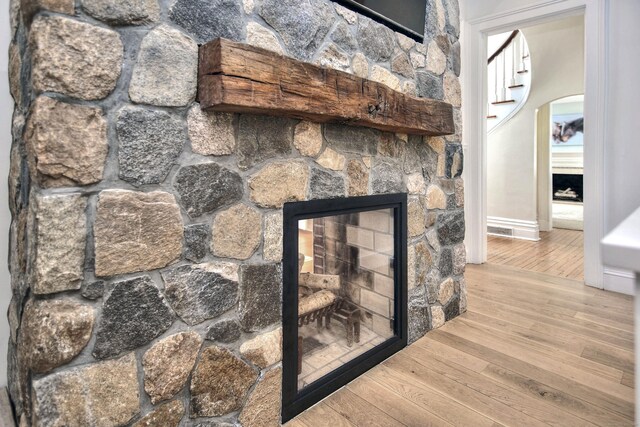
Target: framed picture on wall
[567,129]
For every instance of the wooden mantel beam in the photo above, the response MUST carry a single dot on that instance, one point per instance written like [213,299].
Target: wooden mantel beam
[235,77]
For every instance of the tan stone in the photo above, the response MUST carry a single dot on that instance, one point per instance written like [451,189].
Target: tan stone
[360,66]
[219,383]
[438,145]
[411,267]
[119,12]
[31,7]
[463,295]
[15,72]
[100,394]
[248,6]
[436,59]
[441,15]
[436,199]
[452,92]
[53,332]
[459,192]
[445,291]
[416,184]
[74,58]
[350,16]
[259,36]
[236,232]
[437,316]
[211,133]
[405,42]
[272,250]
[166,415]
[307,138]
[60,236]
[358,178]
[400,64]
[333,57]
[66,144]
[416,219]
[331,159]
[168,363]
[263,406]
[384,76]
[367,161]
[456,164]
[423,262]
[265,349]
[418,60]
[279,182]
[136,231]
[409,87]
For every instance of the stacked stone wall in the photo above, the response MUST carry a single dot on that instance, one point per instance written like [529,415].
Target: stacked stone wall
[146,238]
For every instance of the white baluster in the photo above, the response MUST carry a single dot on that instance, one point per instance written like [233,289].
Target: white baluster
[513,62]
[495,76]
[504,75]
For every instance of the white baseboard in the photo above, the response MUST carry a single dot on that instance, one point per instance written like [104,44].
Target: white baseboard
[515,228]
[621,281]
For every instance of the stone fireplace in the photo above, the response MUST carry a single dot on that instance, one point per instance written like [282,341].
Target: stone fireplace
[147,232]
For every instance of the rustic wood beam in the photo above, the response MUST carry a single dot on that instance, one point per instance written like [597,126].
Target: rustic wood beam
[235,77]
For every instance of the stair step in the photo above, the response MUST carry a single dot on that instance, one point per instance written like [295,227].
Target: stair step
[492,117]
[516,86]
[506,101]
[523,71]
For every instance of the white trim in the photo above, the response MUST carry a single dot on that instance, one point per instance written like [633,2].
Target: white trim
[525,230]
[474,73]
[621,281]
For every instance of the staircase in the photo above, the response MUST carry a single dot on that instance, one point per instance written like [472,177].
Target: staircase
[509,79]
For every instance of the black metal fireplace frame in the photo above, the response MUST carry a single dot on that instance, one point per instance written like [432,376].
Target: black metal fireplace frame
[294,402]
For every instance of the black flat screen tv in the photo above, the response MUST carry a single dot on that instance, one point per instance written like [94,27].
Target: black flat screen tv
[404,16]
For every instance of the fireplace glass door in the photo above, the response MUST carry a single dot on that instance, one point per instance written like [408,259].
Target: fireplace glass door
[346,282]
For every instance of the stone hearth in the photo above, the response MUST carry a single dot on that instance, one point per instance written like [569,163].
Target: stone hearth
[146,240]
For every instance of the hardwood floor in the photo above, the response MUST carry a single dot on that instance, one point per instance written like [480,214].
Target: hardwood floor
[532,350]
[559,253]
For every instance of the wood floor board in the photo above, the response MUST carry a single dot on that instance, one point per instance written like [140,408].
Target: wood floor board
[533,349]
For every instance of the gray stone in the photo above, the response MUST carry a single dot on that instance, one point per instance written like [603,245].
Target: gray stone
[387,176]
[423,262]
[201,292]
[168,363]
[455,58]
[166,415]
[260,295]
[30,7]
[209,19]
[452,90]
[360,66]
[342,36]
[352,139]
[211,133]
[236,232]
[418,315]
[454,160]
[307,138]
[166,71]
[262,408]
[196,242]
[15,72]
[53,332]
[436,59]
[279,182]
[420,157]
[259,36]
[459,259]
[98,394]
[302,24]
[149,143]
[224,331]
[263,137]
[134,313]
[333,57]
[450,227]
[60,236]
[73,58]
[453,18]
[429,86]
[136,231]
[92,290]
[415,217]
[206,187]
[66,143]
[123,12]
[400,64]
[324,185]
[445,263]
[219,383]
[376,41]
[350,16]
[452,309]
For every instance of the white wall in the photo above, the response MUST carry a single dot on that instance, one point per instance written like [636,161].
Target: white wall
[6,111]
[557,70]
